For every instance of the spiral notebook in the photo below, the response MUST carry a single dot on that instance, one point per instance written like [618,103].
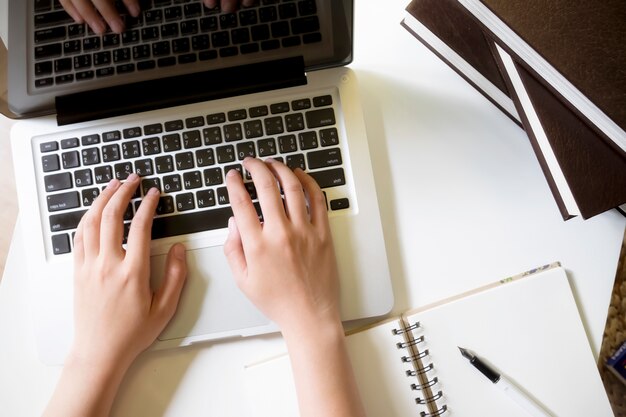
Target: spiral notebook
[527,326]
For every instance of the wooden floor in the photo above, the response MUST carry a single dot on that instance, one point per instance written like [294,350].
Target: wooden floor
[8,200]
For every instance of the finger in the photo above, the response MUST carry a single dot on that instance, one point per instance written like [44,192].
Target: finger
[79,250]
[317,201]
[248,3]
[229,6]
[112,230]
[267,191]
[133,7]
[167,296]
[233,250]
[90,223]
[90,15]
[71,10]
[243,209]
[295,203]
[110,14]
[140,233]
[210,4]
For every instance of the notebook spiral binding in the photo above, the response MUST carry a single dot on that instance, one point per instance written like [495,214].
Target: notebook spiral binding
[426,384]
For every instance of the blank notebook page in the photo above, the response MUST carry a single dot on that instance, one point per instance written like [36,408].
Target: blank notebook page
[529,330]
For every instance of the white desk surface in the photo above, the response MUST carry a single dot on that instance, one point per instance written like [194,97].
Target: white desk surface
[463,202]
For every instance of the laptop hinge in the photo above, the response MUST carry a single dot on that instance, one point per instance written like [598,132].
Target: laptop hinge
[179,90]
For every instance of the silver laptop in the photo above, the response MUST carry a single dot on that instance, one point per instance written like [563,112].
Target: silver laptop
[183,96]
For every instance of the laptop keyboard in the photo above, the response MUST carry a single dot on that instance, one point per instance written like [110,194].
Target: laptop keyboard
[166,33]
[187,160]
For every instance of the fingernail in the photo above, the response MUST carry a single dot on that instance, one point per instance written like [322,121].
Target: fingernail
[179,251]
[231,223]
[134,10]
[132,177]
[232,173]
[117,26]
[154,191]
[113,184]
[270,160]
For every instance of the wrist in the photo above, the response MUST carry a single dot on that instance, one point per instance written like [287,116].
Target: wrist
[315,329]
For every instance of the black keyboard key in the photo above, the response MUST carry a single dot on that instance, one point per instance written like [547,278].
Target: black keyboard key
[247,17]
[322,101]
[125,68]
[165,205]
[48,146]
[110,40]
[295,161]
[239,114]
[91,44]
[189,27]
[172,183]
[192,180]
[161,48]
[294,122]
[290,41]
[329,178]
[163,164]
[220,39]
[82,61]
[43,6]
[171,142]
[268,14]
[280,29]
[180,46]
[305,25]
[89,195]
[141,52]
[66,221]
[83,178]
[48,51]
[169,30]
[174,125]
[63,201]
[308,140]
[64,79]
[222,196]
[62,65]
[228,20]
[225,154]
[192,10]
[70,159]
[325,158]
[130,37]
[287,11]
[260,32]
[192,139]
[129,213]
[216,118]
[143,167]
[207,55]
[57,182]
[153,16]
[111,136]
[307,7]
[151,146]
[239,36]
[146,65]
[184,161]
[166,62]
[187,58]
[253,129]
[269,45]
[233,132]
[308,38]
[103,174]
[153,129]
[267,147]
[72,47]
[130,149]
[208,24]
[287,143]
[213,176]
[132,132]
[91,156]
[249,48]
[90,139]
[43,68]
[121,55]
[123,170]
[44,82]
[274,125]
[184,202]
[320,118]
[193,122]
[76,30]
[69,143]
[200,42]
[205,157]
[339,204]
[245,149]
[61,244]
[52,34]
[212,135]
[148,183]
[205,198]
[173,13]
[258,111]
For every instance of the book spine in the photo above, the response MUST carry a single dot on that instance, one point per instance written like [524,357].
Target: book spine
[421,369]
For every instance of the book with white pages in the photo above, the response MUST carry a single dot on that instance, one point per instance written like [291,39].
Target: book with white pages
[528,327]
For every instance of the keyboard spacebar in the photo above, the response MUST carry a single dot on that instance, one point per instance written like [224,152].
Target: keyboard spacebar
[199,221]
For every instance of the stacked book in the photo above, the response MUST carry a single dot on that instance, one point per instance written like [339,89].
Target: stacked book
[558,69]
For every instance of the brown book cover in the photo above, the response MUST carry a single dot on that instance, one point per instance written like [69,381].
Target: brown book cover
[450,22]
[583,40]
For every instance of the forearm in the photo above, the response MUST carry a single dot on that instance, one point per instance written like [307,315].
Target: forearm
[323,375]
[86,389]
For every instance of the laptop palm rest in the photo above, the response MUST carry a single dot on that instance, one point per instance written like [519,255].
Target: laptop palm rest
[210,298]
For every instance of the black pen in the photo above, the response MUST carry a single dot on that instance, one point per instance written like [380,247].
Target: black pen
[523,400]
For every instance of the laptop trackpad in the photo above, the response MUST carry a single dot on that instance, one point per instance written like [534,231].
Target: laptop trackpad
[211,302]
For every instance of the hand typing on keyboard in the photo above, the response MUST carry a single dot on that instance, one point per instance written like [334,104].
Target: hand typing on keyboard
[99,14]
[286,266]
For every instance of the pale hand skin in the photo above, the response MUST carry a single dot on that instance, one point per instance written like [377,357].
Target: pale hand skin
[287,268]
[116,313]
[99,14]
